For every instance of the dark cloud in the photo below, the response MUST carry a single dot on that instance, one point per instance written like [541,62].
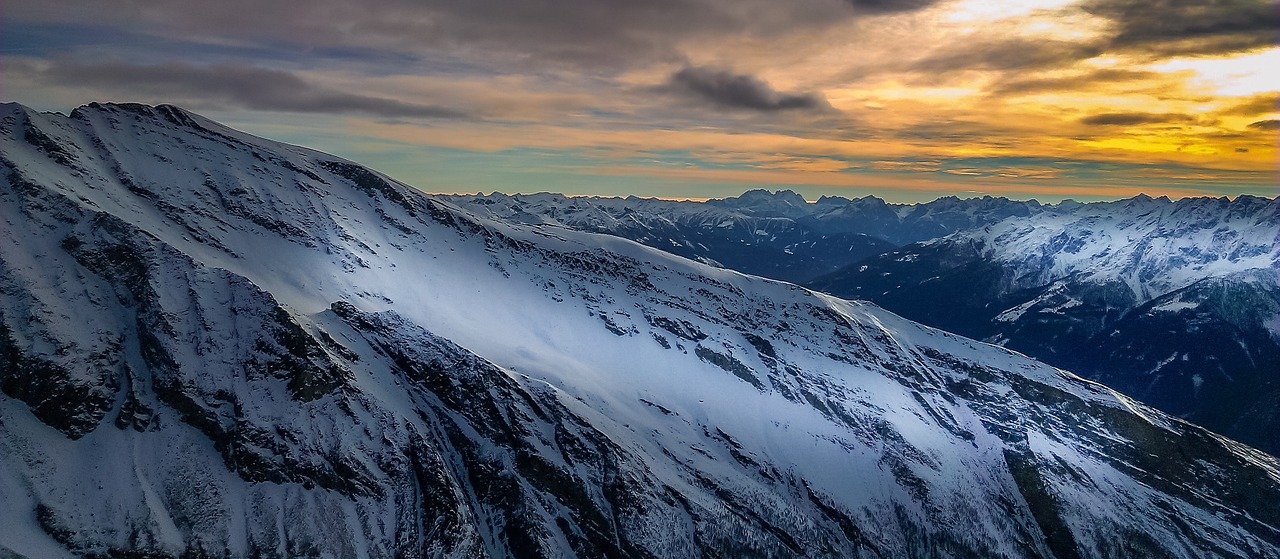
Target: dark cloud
[240,86]
[1271,124]
[890,6]
[1176,27]
[1032,86]
[1134,119]
[736,91]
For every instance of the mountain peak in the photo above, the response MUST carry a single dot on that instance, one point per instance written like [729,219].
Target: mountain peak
[216,345]
[10,107]
[760,194]
[783,203]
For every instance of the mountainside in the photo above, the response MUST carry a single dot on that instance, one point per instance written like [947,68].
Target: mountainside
[1175,303]
[1073,284]
[775,235]
[217,345]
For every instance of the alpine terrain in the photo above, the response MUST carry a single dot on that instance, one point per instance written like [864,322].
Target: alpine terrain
[1175,303]
[214,345]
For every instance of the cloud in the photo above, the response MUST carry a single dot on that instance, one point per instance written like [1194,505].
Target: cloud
[1151,28]
[1037,173]
[1180,27]
[726,89]
[245,87]
[1008,54]
[907,166]
[1134,119]
[1271,124]
[890,6]
[1078,82]
[1257,105]
[605,36]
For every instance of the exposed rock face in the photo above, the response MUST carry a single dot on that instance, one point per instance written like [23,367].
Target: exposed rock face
[216,345]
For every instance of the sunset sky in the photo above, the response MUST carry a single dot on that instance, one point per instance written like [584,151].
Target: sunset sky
[907,100]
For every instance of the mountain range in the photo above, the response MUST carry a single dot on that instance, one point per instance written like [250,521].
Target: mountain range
[775,235]
[1176,303]
[215,345]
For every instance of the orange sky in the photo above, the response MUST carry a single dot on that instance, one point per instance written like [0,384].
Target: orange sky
[697,98]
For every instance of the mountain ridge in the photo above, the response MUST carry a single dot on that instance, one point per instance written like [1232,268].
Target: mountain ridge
[300,357]
[776,235]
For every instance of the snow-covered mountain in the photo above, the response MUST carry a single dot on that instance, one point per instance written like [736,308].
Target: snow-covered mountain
[907,223]
[218,345]
[1176,303]
[1073,284]
[775,235]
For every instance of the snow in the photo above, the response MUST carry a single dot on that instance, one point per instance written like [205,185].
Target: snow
[1175,306]
[1160,365]
[1052,301]
[1155,247]
[1273,326]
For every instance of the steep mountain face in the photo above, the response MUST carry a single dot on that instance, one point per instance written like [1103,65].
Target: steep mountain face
[217,345]
[775,235]
[1176,303]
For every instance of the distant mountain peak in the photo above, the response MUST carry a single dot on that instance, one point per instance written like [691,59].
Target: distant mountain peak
[785,203]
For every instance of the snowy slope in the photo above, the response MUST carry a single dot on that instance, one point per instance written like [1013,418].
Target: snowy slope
[219,345]
[1172,302]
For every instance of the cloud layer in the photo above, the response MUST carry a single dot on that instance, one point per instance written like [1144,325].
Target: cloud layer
[825,92]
